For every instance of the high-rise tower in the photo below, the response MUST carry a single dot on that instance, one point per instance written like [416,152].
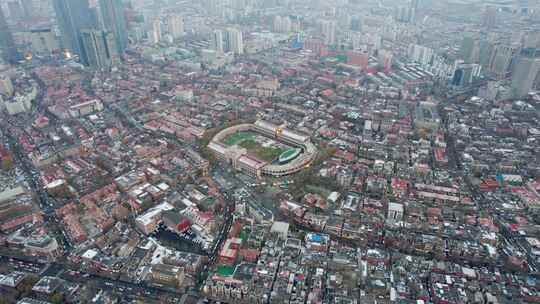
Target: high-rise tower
[175,26]
[115,22]
[235,41]
[526,72]
[216,43]
[7,44]
[99,47]
[73,16]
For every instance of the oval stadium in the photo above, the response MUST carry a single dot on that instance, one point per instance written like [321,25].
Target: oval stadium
[289,155]
[263,149]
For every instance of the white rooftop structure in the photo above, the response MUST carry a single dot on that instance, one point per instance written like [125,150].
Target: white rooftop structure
[281,228]
[149,216]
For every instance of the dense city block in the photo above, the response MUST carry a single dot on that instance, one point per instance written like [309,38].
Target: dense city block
[270,151]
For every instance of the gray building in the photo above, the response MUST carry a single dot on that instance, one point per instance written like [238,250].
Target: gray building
[526,72]
[501,60]
[99,47]
[72,17]
[114,21]
[470,48]
[7,44]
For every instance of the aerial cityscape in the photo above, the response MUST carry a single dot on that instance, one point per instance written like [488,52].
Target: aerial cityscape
[270,151]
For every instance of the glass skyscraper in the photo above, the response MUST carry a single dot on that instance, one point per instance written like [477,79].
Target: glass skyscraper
[73,16]
[7,44]
[112,12]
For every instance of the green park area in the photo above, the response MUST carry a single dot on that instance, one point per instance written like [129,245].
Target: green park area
[238,137]
[225,271]
[245,139]
[267,154]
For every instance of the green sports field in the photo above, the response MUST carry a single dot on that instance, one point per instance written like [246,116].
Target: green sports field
[262,153]
[225,271]
[238,137]
[246,139]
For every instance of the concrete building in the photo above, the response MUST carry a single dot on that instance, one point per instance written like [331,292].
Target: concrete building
[155,35]
[465,73]
[112,12]
[328,29]
[420,54]
[85,108]
[358,58]
[175,26]
[99,47]
[395,212]
[405,14]
[235,42]
[21,103]
[6,86]
[470,50]
[525,73]
[281,229]
[282,24]
[216,42]
[8,48]
[167,274]
[501,60]
[43,41]
[73,16]
[148,221]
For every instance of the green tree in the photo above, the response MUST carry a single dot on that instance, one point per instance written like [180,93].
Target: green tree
[57,298]
[25,287]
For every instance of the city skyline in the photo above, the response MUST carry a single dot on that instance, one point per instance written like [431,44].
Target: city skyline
[270,151]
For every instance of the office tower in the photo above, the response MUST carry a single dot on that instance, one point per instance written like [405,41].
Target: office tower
[277,24]
[328,28]
[465,73]
[175,26]
[7,44]
[385,59]
[99,47]
[415,4]
[213,7]
[6,86]
[138,33]
[72,17]
[486,53]
[405,14]
[531,39]
[235,41]
[112,49]
[15,10]
[525,73]
[43,41]
[155,33]
[501,60]
[216,42]
[282,24]
[421,54]
[470,49]
[356,24]
[489,19]
[112,12]
[28,8]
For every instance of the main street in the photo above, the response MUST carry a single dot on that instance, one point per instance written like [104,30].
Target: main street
[72,274]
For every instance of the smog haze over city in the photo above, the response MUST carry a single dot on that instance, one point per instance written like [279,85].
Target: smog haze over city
[270,151]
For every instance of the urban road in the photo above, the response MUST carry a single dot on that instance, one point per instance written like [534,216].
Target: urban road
[49,204]
[63,270]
